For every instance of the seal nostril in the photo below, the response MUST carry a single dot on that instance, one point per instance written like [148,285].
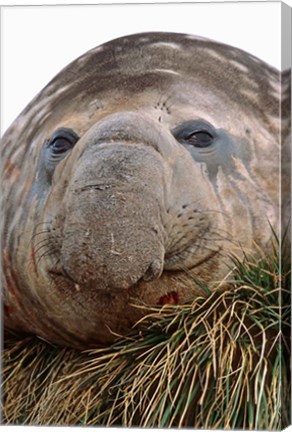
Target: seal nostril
[154,271]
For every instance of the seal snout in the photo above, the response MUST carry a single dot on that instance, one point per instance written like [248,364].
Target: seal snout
[96,275]
[154,271]
[111,257]
[113,235]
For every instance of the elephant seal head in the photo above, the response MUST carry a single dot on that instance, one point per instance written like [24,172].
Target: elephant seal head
[142,166]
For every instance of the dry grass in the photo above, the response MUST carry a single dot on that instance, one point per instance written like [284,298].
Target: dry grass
[220,362]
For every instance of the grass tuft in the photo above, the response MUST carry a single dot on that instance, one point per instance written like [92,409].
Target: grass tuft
[220,362]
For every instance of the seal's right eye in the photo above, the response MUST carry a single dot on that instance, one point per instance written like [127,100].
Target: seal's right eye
[62,140]
[56,148]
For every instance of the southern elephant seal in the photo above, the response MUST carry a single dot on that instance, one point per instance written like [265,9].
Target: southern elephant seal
[144,163]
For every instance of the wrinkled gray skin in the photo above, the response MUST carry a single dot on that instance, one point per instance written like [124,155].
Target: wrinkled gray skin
[173,165]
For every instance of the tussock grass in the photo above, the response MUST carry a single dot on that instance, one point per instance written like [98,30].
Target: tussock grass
[220,362]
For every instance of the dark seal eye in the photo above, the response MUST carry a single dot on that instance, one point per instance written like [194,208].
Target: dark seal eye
[200,138]
[195,133]
[56,148]
[62,140]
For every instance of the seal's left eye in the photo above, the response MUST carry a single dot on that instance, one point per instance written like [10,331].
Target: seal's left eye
[200,138]
[195,133]
[62,140]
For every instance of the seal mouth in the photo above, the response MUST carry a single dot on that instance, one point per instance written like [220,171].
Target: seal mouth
[173,263]
[64,280]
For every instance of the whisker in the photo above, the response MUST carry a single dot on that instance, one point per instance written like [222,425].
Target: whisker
[58,260]
[41,247]
[42,223]
[32,240]
[28,231]
[211,211]
[220,236]
[52,251]
[217,251]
